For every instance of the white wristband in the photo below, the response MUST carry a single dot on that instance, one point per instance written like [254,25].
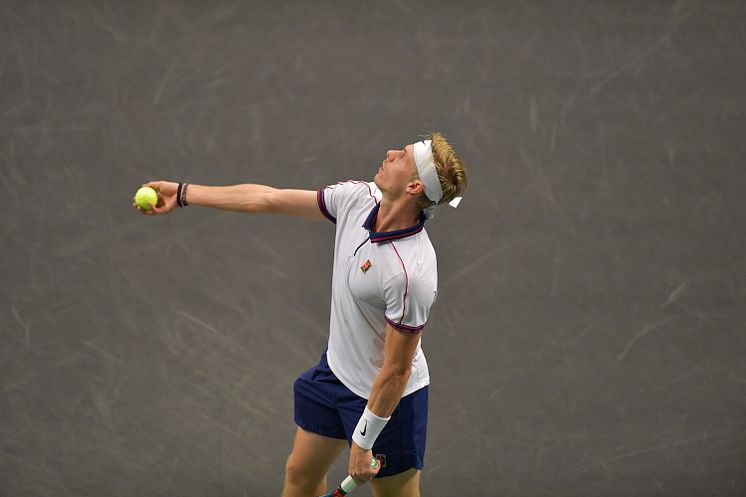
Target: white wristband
[368,429]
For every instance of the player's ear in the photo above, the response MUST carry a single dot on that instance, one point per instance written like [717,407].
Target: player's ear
[415,186]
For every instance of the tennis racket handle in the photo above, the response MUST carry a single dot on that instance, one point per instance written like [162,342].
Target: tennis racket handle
[348,485]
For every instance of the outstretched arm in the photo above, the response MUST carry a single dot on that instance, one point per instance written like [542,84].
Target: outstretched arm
[238,198]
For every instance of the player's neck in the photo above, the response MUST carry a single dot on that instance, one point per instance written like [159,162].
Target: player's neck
[396,215]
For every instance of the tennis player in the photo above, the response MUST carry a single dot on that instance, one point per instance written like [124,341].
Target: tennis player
[370,387]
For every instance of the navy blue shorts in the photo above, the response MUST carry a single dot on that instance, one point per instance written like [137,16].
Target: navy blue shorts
[323,405]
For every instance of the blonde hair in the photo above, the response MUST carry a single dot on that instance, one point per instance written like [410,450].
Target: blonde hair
[451,171]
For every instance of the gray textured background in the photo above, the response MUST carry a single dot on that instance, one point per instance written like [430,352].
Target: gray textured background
[589,334]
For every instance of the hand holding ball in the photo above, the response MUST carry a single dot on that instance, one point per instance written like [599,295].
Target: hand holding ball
[146,196]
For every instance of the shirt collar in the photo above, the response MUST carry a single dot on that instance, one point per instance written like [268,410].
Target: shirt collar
[383,236]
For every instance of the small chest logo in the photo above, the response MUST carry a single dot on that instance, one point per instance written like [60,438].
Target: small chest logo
[366,266]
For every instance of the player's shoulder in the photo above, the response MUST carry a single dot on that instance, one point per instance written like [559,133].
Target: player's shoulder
[353,185]
[416,246]
[362,193]
[414,275]
[416,255]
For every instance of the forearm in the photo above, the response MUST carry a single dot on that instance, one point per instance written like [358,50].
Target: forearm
[239,198]
[387,392]
[385,395]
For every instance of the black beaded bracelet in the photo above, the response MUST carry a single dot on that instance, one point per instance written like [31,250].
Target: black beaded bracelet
[178,194]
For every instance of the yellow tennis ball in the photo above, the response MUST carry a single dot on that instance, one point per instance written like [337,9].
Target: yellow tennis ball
[145,196]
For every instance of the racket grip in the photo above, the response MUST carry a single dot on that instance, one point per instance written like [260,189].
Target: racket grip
[348,485]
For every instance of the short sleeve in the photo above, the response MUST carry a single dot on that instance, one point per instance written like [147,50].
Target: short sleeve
[333,199]
[408,302]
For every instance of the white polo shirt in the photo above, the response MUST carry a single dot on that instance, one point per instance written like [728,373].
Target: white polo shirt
[378,278]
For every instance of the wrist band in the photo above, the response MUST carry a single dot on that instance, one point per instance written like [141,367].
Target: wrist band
[368,429]
[181,194]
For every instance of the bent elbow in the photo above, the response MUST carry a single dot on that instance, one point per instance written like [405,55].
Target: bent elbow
[399,374]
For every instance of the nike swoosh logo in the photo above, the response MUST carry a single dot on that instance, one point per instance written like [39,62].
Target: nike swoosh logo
[365,428]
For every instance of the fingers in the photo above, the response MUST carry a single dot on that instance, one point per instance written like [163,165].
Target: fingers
[375,467]
[363,466]
[155,185]
[164,209]
[363,472]
[165,188]
[146,212]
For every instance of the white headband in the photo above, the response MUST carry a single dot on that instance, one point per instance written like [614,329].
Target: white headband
[423,158]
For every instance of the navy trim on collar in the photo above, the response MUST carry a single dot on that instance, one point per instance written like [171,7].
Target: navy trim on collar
[384,236]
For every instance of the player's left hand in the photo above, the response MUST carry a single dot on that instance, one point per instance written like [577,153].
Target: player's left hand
[166,191]
[361,469]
